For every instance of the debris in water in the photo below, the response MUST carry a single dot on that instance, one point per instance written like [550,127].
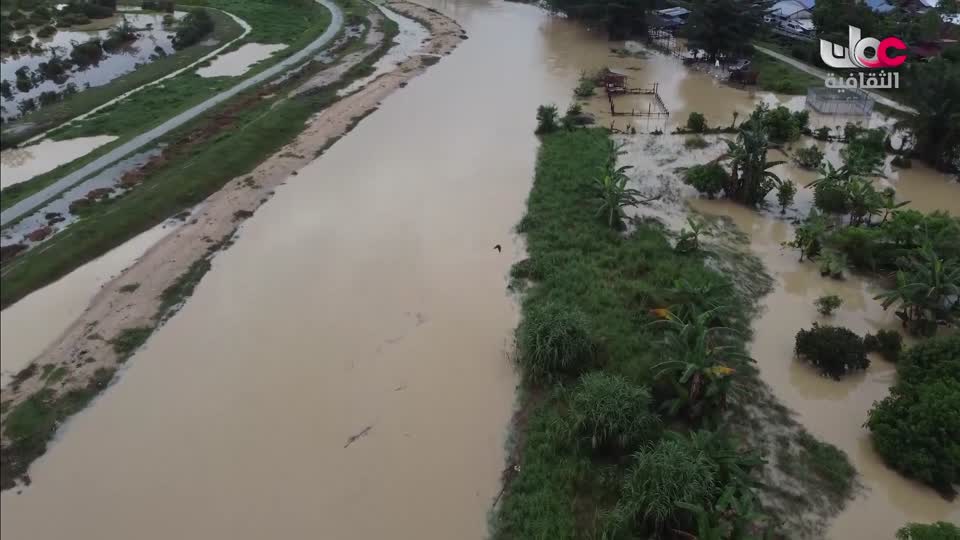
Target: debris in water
[353,438]
[498,248]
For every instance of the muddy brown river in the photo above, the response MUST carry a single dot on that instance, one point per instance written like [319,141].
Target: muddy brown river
[342,373]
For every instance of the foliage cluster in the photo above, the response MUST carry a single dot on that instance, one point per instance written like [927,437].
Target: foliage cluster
[916,429]
[834,350]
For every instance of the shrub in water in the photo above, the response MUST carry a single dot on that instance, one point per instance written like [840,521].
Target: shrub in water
[916,429]
[833,350]
[696,123]
[786,191]
[609,410]
[810,157]
[827,304]
[553,339]
[708,179]
[889,343]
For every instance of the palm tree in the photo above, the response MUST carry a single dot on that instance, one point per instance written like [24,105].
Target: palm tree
[927,289]
[750,180]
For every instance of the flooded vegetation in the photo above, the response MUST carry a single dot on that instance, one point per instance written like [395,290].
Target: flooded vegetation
[60,65]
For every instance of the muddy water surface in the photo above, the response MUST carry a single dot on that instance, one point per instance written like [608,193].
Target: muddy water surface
[340,373]
[365,294]
[32,323]
[21,164]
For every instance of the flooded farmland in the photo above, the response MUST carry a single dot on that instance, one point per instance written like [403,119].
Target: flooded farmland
[342,371]
[153,41]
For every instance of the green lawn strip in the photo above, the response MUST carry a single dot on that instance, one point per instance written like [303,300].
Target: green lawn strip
[780,77]
[557,489]
[258,132]
[225,29]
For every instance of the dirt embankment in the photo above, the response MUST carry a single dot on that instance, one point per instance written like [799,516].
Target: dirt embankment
[123,313]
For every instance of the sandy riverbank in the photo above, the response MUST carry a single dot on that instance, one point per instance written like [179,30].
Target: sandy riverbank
[86,346]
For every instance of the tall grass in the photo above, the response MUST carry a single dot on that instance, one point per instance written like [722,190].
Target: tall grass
[552,340]
[607,409]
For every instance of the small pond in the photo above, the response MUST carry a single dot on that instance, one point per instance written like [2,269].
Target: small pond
[237,62]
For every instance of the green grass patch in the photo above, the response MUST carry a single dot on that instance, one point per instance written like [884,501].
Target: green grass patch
[777,76]
[130,339]
[34,421]
[611,281]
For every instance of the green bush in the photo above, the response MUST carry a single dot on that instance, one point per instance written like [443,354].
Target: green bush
[810,157]
[661,477]
[831,197]
[916,429]
[940,530]
[193,28]
[553,340]
[833,350]
[696,123]
[546,119]
[889,343]
[827,304]
[783,125]
[610,411]
[708,179]
[786,191]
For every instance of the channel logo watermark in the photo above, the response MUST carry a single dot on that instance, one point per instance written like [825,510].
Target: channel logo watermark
[854,56]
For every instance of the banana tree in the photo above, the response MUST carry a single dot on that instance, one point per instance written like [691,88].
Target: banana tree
[699,362]
[750,178]
[927,289]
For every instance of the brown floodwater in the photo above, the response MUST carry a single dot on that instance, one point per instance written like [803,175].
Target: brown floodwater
[365,300]
[21,164]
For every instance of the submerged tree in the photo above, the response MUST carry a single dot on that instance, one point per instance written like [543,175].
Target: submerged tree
[927,289]
[750,178]
[933,89]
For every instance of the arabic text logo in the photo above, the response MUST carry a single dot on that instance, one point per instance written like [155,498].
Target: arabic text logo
[855,56]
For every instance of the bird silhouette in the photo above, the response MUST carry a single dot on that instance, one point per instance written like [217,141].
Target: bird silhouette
[498,248]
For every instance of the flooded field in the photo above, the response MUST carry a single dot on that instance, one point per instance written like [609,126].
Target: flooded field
[31,324]
[152,42]
[21,164]
[235,63]
[64,209]
[341,372]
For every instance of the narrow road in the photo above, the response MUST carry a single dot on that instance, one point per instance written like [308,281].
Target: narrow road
[35,200]
[819,73]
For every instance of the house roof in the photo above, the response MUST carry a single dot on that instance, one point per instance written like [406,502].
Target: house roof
[879,6]
[789,8]
[930,3]
[673,12]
